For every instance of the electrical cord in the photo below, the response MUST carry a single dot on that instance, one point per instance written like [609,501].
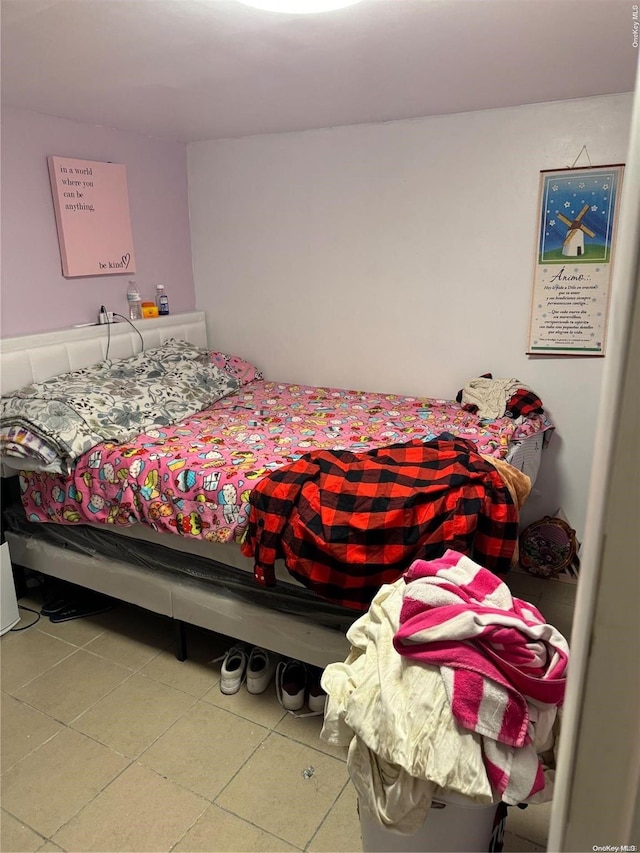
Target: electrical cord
[103,310]
[135,328]
[31,624]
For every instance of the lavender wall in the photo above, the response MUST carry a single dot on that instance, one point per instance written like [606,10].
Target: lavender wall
[35,295]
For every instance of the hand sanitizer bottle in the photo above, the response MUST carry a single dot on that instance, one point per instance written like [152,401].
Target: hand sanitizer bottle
[162,300]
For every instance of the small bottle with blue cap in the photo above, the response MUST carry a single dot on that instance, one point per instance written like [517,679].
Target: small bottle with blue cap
[162,300]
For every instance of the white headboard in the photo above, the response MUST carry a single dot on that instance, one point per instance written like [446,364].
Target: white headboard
[34,358]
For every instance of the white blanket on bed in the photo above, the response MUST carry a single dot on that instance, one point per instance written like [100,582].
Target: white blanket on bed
[490,395]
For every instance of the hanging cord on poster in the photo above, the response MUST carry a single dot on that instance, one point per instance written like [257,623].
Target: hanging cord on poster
[586,151]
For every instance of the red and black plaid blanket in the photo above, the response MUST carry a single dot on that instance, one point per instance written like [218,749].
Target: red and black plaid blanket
[346,523]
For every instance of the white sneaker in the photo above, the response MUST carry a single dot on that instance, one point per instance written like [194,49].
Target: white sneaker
[260,669]
[234,668]
[291,684]
[317,697]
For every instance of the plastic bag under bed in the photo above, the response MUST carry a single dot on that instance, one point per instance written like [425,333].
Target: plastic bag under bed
[294,600]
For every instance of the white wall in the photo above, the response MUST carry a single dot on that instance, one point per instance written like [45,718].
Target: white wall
[399,257]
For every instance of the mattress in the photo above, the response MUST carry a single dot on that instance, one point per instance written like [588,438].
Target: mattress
[195,478]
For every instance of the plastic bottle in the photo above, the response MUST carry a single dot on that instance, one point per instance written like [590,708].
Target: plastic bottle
[135,301]
[162,300]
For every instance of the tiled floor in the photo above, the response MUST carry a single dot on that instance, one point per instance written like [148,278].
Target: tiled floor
[109,743]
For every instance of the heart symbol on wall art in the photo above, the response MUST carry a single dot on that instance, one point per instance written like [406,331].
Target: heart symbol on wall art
[125,260]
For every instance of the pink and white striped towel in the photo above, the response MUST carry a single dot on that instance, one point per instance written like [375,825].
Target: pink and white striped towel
[494,651]
[458,615]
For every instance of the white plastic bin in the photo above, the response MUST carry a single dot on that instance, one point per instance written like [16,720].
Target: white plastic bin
[9,615]
[454,823]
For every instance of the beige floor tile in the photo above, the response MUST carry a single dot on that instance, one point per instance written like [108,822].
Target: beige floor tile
[208,644]
[271,788]
[133,715]
[138,811]
[525,586]
[33,600]
[307,730]
[261,708]
[79,632]
[531,823]
[340,831]
[131,636]
[26,619]
[515,844]
[562,593]
[15,837]
[73,685]
[218,831]
[55,781]
[29,654]
[197,674]
[204,749]
[132,619]
[23,729]
[49,847]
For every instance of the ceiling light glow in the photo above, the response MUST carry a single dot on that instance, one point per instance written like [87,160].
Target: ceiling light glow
[299,7]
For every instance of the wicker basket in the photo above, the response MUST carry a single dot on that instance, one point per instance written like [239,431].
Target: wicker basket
[547,547]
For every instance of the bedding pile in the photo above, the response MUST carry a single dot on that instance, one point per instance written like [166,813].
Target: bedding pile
[499,398]
[502,666]
[52,424]
[195,477]
[416,725]
[347,523]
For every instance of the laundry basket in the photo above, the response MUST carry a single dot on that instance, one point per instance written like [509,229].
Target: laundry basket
[454,823]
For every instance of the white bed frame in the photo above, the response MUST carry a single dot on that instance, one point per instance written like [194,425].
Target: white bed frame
[35,358]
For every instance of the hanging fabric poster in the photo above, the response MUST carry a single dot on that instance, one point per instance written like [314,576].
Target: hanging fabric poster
[91,204]
[576,244]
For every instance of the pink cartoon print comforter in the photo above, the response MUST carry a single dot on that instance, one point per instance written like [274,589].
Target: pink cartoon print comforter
[195,478]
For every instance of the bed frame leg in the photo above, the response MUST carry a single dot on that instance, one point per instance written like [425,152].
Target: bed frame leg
[181,639]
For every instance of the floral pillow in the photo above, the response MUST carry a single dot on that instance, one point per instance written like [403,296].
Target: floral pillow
[241,370]
[115,401]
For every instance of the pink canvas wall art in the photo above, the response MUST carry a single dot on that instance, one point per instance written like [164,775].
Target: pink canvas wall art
[36,297]
[91,203]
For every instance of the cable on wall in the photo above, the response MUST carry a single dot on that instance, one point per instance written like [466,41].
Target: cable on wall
[122,317]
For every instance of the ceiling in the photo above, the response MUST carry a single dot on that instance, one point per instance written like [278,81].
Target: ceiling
[208,69]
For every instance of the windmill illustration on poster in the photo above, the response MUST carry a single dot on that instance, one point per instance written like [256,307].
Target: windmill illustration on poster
[575,251]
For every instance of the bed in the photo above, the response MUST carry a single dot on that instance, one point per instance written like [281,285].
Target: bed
[174,548]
